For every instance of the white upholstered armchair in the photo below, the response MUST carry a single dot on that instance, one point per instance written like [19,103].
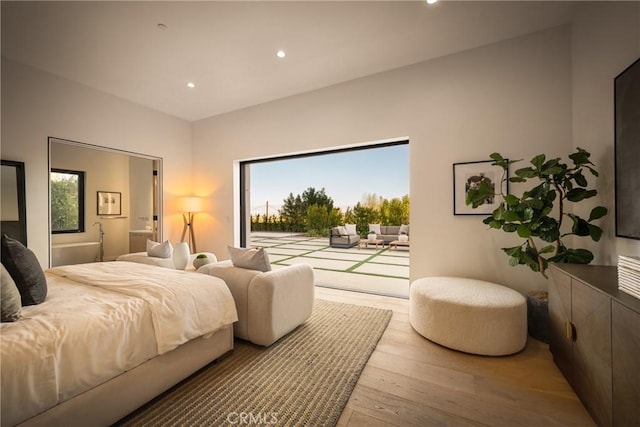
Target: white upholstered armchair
[270,304]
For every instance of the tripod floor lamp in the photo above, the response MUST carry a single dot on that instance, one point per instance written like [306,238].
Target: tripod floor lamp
[189,206]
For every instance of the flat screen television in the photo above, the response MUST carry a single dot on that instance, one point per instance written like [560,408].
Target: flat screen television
[627,151]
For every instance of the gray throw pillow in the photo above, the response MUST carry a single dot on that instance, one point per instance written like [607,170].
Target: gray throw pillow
[25,270]
[159,250]
[10,302]
[252,259]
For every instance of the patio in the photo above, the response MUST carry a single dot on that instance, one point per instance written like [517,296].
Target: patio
[368,270]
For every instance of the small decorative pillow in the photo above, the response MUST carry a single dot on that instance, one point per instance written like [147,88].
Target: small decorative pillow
[10,301]
[351,228]
[375,228]
[342,230]
[159,250]
[252,259]
[404,229]
[24,268]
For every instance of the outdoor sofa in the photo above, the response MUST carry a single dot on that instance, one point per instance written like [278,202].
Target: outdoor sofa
[388,233]
[337,240]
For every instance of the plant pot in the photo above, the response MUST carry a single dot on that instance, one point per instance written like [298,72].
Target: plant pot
[372,237]
[403,238]
[538,315]
[199,262]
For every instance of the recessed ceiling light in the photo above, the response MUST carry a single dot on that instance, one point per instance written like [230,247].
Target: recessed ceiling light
[191,85]
[281,54]
[432,1]
[162,26]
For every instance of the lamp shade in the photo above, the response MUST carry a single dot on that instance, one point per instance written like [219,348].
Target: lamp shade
[190,204]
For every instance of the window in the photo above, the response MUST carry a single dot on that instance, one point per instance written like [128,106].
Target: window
[67,201]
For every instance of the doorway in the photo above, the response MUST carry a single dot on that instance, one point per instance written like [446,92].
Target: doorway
[290,204]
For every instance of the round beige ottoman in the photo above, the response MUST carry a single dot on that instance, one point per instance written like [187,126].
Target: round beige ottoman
[469,315]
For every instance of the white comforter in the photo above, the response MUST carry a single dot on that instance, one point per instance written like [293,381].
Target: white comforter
[84,335]
[183,305]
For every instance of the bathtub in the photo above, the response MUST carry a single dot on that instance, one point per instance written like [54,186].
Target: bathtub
[74,253]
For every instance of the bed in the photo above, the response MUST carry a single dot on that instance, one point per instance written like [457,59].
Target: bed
[108,338]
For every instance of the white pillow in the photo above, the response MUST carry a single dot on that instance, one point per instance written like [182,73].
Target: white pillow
[351,229]
[159,250]
[404,229]
[375,228]
[252,259]
[342,230]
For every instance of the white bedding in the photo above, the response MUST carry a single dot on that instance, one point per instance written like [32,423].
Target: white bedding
[84,335]
[143,258]
[183,305]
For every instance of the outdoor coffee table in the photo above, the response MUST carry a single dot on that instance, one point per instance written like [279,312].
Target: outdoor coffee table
[397,243]
[367,242]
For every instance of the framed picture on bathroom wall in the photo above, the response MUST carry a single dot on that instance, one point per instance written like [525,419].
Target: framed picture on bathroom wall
[109,203]
[469,175]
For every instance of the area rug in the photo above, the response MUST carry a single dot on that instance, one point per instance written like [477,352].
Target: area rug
[304,378]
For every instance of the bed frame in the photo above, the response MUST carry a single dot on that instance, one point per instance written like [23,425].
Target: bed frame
[109,402]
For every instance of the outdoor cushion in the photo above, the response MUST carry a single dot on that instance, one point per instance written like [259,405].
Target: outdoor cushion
[351,228]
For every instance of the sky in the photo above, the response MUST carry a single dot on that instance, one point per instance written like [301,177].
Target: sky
[346,177]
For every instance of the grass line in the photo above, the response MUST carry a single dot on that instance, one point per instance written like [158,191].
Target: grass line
[353,267]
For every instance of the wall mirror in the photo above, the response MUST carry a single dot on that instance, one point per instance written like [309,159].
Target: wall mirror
[14,211]
[103,202]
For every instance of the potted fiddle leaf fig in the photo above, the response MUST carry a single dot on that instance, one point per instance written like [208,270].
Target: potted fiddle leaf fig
[539,216]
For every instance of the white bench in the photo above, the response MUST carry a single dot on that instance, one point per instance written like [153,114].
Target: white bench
[469,315]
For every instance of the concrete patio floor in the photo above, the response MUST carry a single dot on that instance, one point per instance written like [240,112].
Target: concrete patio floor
[369,270]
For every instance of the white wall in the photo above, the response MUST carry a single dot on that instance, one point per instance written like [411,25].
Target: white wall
[513,97]
[606,39]
[36,105]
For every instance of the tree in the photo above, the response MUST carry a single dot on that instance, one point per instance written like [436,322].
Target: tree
[64,203]
[317,219]
[395,211]
[294,209]
[531,215]
[312,197]
[363,216]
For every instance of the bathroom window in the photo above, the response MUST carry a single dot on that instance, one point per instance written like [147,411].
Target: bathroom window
[67,201]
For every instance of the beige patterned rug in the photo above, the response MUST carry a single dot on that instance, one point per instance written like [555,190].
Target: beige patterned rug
[303,379]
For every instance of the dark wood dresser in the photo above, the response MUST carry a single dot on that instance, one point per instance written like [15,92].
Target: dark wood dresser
[594,336]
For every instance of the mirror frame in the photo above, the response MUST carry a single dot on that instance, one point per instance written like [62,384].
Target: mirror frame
[22,197]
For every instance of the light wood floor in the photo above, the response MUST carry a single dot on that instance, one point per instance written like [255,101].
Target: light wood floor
[411,381]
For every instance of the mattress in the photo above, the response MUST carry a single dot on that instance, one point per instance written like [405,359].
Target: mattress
[100,320]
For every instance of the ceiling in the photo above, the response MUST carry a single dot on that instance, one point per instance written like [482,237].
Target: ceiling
[228,48]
